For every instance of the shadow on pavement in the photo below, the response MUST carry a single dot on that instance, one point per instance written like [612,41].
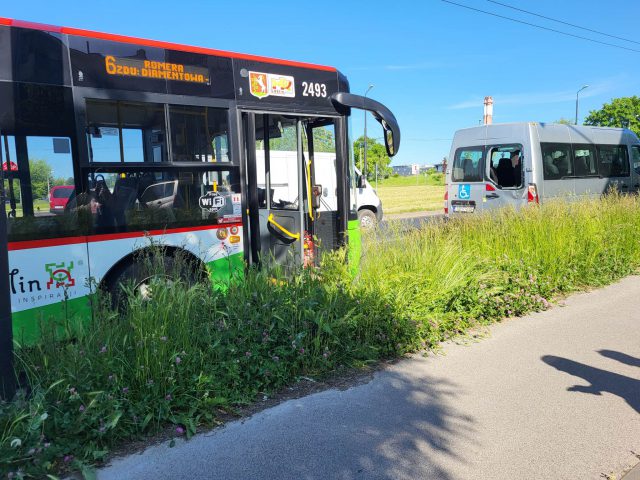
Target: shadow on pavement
[600,380]
[412,423]
[620,357]
[391,428]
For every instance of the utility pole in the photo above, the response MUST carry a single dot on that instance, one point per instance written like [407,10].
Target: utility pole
[364,166]
[7,377]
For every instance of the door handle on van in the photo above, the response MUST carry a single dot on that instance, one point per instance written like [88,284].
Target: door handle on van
[492,195]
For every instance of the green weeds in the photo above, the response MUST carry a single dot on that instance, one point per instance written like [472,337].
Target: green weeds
[178,359]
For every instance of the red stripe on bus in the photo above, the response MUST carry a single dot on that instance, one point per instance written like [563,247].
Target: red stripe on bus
[158,44]
[57,242]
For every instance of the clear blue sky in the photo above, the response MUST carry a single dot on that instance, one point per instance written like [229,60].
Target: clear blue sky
[431,62]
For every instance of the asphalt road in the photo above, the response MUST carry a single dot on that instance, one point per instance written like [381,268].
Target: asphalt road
[555,395]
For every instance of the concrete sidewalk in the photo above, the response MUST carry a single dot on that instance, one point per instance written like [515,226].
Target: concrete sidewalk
[554,395]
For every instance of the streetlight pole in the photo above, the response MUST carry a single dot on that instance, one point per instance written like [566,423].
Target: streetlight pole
[364,165]
[583,87]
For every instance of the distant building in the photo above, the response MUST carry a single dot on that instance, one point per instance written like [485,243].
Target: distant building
[406,170]
[437,167]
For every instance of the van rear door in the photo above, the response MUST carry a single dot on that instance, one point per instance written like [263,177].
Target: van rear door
[466,185]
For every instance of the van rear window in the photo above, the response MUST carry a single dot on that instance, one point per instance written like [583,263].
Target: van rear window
[468,165]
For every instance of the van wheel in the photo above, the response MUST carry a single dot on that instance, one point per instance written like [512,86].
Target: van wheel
[367,219]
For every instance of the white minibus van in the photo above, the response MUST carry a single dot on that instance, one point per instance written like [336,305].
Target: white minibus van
[368,204]
[514,164]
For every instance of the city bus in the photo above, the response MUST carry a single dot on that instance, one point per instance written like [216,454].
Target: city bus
[514,164]
[155,143]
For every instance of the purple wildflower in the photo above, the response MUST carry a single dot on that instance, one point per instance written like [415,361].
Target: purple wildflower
[125,390]
[67,458]
[103,349]
[247,354]
[301,351]
[178,360]
[168,397]
[179,430]
[81,409]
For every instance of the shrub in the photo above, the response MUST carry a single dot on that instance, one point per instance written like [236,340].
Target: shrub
[178,359]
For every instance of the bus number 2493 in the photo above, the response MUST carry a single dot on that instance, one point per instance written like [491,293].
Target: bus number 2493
[311,89]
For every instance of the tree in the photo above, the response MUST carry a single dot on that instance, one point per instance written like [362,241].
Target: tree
[621,112]
[376,155]
[563,121]
[40,172]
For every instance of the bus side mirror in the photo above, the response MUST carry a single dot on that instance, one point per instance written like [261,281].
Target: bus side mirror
[388,140]
[316,196]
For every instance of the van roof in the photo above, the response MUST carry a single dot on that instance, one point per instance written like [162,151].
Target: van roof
[546,132]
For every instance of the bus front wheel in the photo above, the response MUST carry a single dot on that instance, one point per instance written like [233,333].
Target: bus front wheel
[140,274]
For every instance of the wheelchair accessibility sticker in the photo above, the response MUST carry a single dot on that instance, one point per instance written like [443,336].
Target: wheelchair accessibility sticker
[464,191]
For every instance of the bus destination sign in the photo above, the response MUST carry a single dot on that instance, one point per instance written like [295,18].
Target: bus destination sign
[129,67]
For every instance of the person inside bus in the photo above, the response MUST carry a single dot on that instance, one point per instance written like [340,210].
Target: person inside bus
[516,163]
[509,171]
[562,162]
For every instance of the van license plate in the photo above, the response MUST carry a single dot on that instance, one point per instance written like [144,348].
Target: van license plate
[464,208]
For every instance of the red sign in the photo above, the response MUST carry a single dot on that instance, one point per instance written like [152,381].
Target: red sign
[12,166]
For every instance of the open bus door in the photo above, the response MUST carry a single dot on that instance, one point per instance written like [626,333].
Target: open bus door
[289,217]
[275,184]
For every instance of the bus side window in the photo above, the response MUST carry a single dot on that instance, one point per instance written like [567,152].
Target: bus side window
[613,161]
[557,160]
[635,156]
[38,181]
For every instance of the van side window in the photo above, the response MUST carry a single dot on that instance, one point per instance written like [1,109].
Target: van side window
[505,165]
[635,157]
[613,161]
[584,161]
[468,165]
[556,160]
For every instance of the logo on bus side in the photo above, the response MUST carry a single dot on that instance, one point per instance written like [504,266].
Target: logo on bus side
[264,84]
[60,275]
[212,202]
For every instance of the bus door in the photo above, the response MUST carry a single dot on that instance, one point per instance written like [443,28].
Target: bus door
[276,187]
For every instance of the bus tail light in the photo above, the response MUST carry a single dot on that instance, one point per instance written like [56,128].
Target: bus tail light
[446,200]
[309,250]
[532,194]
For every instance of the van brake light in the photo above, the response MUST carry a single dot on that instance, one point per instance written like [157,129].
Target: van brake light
[532,194]
[490,188]
[446,200]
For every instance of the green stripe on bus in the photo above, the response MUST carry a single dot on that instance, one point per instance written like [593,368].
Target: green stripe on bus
[223,269]
[355,244]
[66,314]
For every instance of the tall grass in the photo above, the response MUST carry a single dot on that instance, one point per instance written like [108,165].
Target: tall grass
[179,359]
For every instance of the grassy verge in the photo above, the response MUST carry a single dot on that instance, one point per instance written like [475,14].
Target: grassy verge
[412,194]
[411,198]
[181,358]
